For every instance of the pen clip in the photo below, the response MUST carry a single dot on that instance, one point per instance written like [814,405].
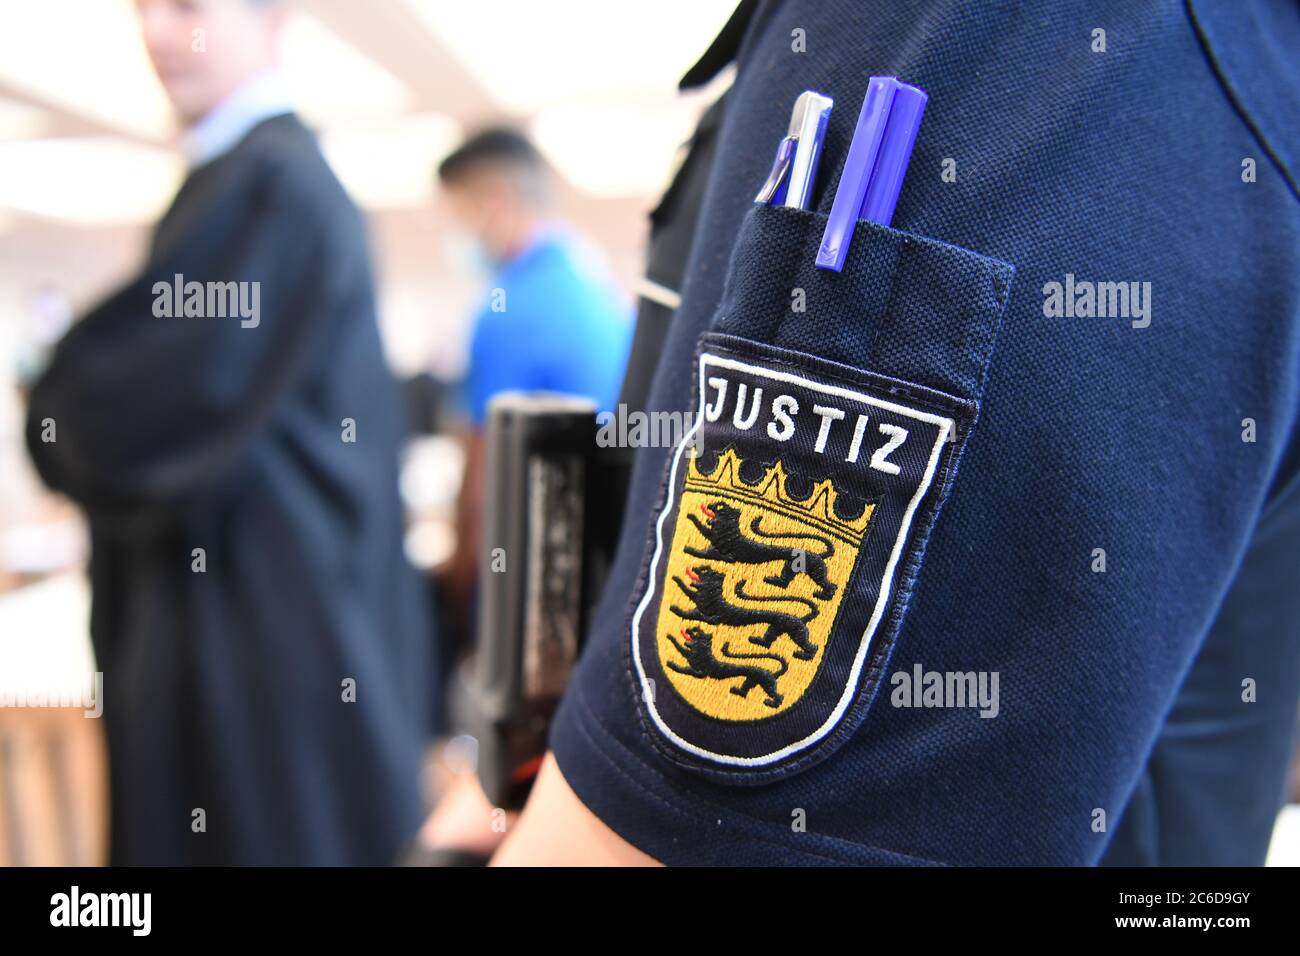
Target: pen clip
[774,188]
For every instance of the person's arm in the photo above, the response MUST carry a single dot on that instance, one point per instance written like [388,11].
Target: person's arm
[459,573]
[1099,516]
[499,362]
[139,407]
[557,829]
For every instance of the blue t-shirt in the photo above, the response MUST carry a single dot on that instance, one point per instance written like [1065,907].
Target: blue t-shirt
[549,322]
[822,641]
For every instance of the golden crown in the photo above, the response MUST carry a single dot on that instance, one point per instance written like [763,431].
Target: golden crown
[770,493]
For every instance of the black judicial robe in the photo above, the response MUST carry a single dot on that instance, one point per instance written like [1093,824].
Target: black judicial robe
[278,680]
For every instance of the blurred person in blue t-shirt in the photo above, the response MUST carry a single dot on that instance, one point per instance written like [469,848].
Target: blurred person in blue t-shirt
[550,319]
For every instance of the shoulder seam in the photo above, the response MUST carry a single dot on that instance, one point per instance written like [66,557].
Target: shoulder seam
[1237,103]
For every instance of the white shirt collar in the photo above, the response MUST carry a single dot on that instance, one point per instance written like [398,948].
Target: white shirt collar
[257,99]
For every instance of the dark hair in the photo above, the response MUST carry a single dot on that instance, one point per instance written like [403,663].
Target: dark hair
[499,146]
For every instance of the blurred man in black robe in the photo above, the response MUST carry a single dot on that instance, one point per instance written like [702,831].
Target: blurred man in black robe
[229,425]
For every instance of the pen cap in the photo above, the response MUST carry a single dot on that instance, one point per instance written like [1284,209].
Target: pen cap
[865,146]
[895,151]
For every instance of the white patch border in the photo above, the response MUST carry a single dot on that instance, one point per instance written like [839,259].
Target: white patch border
[946,427]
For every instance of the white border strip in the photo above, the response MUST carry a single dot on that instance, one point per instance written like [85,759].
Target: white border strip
[946,426]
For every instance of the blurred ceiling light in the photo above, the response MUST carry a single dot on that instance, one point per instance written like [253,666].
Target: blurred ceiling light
[84,57]
[88,180]
[533,55]
[388,165]
[331,81]
[608,150]
[21,121]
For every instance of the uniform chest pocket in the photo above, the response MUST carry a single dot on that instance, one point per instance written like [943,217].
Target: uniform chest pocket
[830,411]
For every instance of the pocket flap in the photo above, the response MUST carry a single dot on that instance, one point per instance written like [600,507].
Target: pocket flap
[904,306]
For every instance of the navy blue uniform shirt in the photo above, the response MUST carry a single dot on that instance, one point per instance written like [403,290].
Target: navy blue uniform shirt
[1042,431]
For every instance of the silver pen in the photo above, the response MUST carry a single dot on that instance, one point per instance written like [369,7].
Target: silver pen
[790,182]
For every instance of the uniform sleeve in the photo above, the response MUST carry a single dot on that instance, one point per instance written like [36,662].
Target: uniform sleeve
[985,634]
[144,404]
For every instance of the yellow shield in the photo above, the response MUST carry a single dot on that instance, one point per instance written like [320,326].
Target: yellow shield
[753,583]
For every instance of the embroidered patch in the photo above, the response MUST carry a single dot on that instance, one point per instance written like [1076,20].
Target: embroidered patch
[780,563]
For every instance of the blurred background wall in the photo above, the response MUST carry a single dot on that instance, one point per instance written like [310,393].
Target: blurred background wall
[88,162]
